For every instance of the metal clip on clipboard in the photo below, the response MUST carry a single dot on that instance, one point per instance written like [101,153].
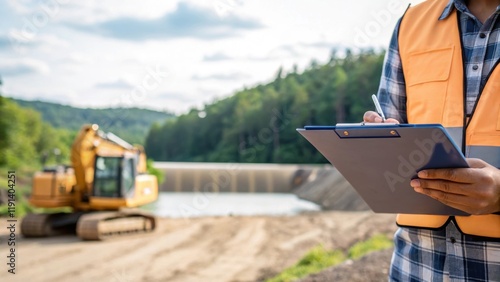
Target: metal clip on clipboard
[358,130]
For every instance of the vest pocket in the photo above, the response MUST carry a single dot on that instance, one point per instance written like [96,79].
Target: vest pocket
[427,75]
[428,66]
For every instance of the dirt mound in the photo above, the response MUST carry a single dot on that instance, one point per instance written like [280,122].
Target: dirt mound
[326,187]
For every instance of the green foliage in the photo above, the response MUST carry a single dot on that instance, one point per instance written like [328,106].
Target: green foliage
[375,243]
[314,261]
[4,129]
[23,207]
[22,187]
[257,125]
[54,144]
[160,176]
[131,124]
[25,138]
[318,258]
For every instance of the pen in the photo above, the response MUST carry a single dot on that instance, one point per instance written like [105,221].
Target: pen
[378,107]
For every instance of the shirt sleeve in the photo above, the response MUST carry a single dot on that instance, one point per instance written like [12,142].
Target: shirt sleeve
[392,89]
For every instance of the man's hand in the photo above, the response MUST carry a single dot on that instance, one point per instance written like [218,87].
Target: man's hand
[373,117]
[475,190]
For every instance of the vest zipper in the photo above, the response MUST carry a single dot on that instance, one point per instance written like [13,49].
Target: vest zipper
[464,95]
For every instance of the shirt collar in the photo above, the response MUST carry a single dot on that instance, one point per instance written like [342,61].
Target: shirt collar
[458,4]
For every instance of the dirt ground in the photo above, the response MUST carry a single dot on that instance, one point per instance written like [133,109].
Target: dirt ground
[372,267]
[198,249]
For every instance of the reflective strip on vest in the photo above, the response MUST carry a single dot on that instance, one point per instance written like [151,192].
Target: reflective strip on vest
[489,154]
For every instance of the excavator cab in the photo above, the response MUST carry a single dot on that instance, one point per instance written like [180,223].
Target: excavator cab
[109,176]
[118,183]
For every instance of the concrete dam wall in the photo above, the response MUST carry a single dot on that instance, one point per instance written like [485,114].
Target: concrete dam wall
[231,177]
[321,184]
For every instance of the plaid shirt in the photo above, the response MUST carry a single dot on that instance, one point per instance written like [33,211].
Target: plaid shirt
[446,254]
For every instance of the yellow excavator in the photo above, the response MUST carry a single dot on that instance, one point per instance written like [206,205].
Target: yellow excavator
[106,182]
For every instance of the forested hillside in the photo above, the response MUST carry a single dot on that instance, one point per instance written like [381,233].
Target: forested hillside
[25,138]
[258,124]
[131,124]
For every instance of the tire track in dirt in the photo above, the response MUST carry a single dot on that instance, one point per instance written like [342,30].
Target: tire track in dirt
[80,263]
[180,259]
[198,254]
[235,256]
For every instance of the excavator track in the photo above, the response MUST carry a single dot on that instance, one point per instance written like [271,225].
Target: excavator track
[49,224]
[104,225]
[36,225]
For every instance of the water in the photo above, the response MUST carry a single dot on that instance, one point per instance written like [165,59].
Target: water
[222,204]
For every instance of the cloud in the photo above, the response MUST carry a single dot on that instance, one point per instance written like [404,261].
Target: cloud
[174,96]
[4,42]
[185,21]
[323,44]
[19,42]
[118,84]
[23,67]
[278,53]
[216,57]
[8,13]
[222,76]
[296,50]
[13,41]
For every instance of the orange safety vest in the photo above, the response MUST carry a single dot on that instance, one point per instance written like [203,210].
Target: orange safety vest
[431,55]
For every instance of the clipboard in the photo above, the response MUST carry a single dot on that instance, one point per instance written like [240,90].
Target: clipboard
[379,161]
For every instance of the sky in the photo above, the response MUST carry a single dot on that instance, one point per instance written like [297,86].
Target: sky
[174,55]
